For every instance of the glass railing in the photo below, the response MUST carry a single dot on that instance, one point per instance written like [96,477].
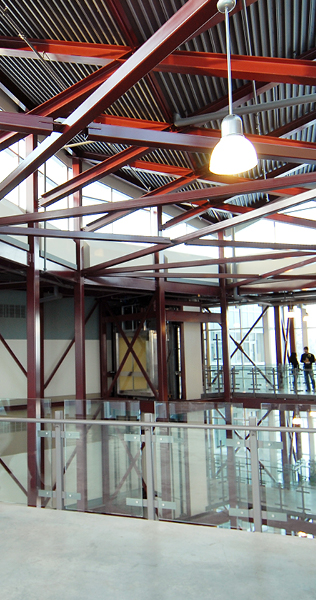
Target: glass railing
[258,380]
[223,466]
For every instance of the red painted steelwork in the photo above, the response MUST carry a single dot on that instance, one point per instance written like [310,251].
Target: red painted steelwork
[235,209]
[15,358]
[259,68]
[34,391]
[221,192]
[267,245]
[81,235]
[173,33]
[172,186]
[108,166]
[224,325]
[203,141]
[265,210]
[28,123]
[188,275]
[272,274]
[161,342]
[186,316]
[62,104]
[207,262]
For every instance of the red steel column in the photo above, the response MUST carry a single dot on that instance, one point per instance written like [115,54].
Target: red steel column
[103,351]
[34,391]
[161,330]
[80,359]
[225,331]
[278,344]
[292,335]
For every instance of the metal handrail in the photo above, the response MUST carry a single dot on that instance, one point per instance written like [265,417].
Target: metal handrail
[153,424]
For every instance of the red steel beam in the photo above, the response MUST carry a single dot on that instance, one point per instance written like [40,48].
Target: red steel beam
[62,51]
[173,33]
[277,272]
[259,68]
[267,147]
[108,166]
[264,245]
[299,124]
[62,104]
[235,209]
[176,171]
[146,165]
[83,235]
[169,187]
[258,213]
[26,123]
[34,380]
[208,262]
[223,192]
[13,355]
[187,275]
[290,219]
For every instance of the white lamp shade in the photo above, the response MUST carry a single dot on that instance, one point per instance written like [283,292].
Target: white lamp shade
[233,153]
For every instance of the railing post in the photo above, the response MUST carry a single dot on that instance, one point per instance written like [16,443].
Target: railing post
[59,454]
[256,501]
[149,467]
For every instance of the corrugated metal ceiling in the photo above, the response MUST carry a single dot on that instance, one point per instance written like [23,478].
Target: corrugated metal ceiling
[277,28]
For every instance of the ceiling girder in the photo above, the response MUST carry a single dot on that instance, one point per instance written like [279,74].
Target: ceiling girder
[192,15]
[208,64]
[203,141]
[249,187]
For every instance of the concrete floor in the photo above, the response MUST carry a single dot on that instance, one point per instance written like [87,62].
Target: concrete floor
[53,555]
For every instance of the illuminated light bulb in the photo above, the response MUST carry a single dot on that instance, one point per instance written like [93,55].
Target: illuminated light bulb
[233,154]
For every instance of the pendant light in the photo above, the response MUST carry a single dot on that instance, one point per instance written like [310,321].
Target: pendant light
[233,153]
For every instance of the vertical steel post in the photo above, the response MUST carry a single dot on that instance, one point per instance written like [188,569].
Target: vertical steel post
[80,360]
[284,451]
[148,417]
[278,344]
[231,466]
[103,351]
[34,391]
[292,335]
[225,331]
[182,355]
[256,500]
[59,458]
[161,330]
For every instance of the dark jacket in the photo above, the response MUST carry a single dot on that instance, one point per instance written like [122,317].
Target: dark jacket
[293,360]
[308,359]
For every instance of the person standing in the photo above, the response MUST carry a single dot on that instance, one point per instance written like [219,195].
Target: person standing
[308,359]
[295,367]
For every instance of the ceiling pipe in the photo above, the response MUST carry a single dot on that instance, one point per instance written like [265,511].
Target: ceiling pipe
[246,110]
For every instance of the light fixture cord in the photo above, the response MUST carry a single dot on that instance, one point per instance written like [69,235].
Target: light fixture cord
[229,79]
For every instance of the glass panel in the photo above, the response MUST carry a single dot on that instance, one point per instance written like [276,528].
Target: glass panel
[287,475]
[202,476]
[113,482]
[13,453]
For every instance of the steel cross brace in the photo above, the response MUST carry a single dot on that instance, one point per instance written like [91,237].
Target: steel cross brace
[192,15]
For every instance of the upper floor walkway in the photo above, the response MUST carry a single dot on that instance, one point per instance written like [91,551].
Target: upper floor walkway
[262,381]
